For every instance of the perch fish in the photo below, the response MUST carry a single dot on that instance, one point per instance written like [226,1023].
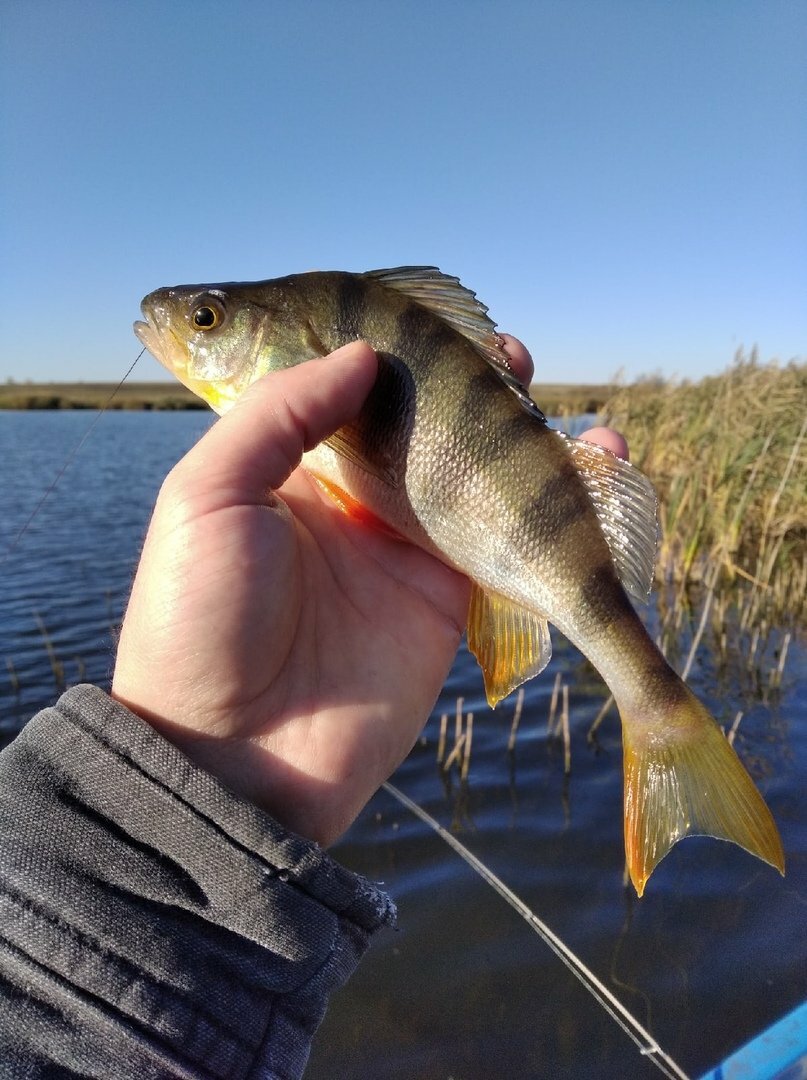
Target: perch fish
[450,452]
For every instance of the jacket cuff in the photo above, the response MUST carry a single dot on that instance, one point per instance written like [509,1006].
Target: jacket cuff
[183,918]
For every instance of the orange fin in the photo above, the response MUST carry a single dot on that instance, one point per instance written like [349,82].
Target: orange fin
[510,643]
[685,779]
[356,510]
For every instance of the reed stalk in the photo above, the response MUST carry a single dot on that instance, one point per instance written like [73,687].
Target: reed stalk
[56,665]
[466,757]
[567,741]
[455,755]
[463,738]
[553,705]
[511,742]
[591,737]
[732,732]
[458,720]
[13,676]
[441,742]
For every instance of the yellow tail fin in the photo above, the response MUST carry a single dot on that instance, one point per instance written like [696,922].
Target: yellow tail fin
[684,778]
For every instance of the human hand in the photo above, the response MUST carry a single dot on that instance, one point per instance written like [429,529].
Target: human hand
[282,645]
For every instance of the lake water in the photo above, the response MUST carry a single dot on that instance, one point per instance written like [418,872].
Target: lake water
[714,952]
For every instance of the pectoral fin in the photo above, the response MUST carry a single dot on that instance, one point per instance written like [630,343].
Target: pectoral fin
[510,643]
[351,442]
[354,509]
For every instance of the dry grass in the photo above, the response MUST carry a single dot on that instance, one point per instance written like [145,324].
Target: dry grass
[556,399]
[570,399]
[728,456]
[132,395]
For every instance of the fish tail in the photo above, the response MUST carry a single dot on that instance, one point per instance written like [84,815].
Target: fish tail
[682,777]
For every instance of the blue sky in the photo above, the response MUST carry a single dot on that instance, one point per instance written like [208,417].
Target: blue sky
[624,183]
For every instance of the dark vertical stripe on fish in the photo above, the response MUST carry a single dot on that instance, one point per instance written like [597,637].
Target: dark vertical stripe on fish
[561,503]
[602,598]
[605,602]
[520,427]
[351,305]
[474,408]
[501,435]
[422,333]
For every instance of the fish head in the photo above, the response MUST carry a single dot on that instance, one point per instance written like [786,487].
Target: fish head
[210,337]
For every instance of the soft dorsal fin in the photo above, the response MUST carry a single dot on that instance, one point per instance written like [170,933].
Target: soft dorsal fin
[459,307]
[627,508]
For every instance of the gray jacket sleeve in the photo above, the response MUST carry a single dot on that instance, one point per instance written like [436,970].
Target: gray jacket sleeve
[151,923]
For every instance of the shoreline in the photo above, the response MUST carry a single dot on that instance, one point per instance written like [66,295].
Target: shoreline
[553,398]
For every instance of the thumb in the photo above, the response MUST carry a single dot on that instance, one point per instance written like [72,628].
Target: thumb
[260,441]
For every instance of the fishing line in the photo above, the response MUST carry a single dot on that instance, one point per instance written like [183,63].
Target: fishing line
[68,461]
[647,1045]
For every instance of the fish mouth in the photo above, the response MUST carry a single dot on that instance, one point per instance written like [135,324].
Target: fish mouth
[148,337]
[154,329]
[161,343]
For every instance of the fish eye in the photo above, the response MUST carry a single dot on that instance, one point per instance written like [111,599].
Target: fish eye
[206,317]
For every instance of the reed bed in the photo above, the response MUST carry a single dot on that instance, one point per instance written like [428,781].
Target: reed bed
[728,456]
[562,399]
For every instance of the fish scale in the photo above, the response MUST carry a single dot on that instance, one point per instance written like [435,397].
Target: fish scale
[450,453]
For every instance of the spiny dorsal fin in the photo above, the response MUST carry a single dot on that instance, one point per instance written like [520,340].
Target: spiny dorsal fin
[510,643]
[459,307]
[627,508]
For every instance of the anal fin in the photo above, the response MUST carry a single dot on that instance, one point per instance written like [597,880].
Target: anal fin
[511,643]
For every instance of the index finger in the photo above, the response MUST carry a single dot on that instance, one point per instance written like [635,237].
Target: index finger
[519,356]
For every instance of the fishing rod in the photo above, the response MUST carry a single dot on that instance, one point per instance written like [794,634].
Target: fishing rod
[67,463]
[642,1038]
